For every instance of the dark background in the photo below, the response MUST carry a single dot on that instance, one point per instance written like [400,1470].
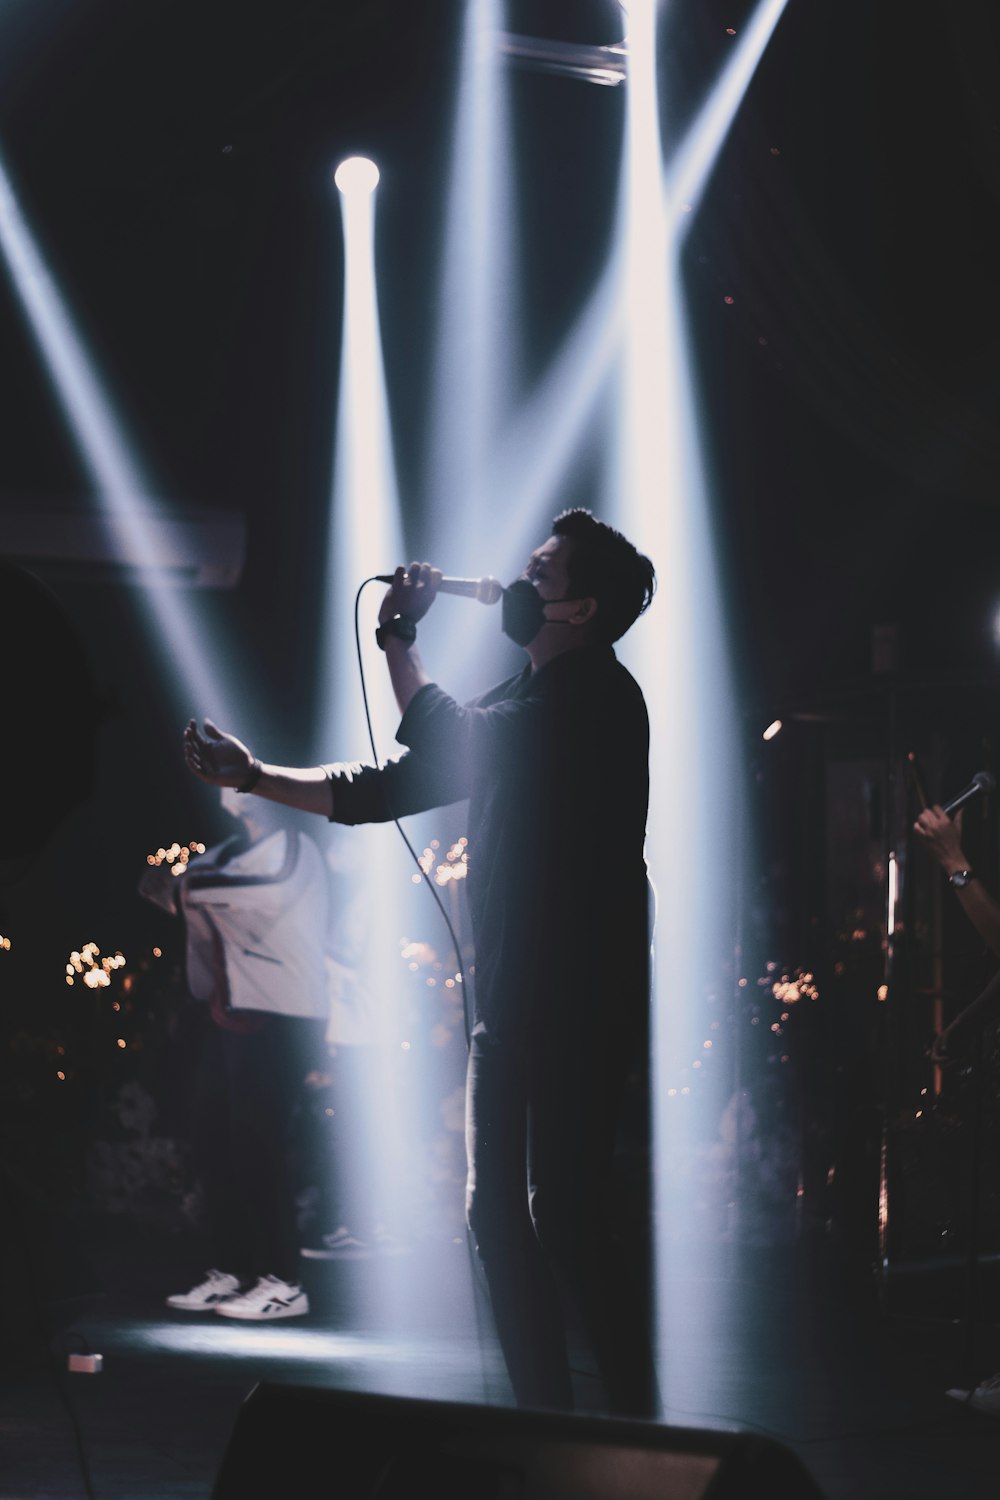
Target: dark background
[173,161]
[173,157]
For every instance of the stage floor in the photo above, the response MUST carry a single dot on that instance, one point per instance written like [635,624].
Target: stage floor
[792,1342]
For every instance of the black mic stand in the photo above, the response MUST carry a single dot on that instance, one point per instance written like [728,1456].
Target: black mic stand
[983,1008]
[979,1011]
[972,1273]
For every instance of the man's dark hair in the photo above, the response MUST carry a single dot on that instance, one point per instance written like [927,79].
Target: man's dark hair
[603,565]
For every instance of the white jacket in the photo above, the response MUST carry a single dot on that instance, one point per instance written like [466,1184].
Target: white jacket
[269,904]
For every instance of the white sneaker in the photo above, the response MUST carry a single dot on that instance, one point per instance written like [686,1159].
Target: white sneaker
[218,1287]
[985,1398]
[271,1298]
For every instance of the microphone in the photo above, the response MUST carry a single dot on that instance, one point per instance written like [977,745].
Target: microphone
[981,782]
[486,590]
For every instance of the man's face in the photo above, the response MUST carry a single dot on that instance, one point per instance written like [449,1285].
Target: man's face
[541,599]
[548,568]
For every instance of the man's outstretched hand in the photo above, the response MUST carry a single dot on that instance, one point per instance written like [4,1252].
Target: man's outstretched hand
[216,757]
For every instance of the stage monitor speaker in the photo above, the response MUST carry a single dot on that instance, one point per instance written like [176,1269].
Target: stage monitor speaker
[306,1443]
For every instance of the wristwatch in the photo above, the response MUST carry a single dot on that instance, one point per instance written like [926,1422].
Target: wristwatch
[958,878]
[399,625]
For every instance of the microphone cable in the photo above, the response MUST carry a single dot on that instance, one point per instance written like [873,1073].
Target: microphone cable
[460,976]
[480,1292]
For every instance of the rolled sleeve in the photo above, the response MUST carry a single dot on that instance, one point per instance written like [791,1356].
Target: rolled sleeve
[410,783]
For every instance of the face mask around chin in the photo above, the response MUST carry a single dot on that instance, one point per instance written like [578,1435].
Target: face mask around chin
[523,611]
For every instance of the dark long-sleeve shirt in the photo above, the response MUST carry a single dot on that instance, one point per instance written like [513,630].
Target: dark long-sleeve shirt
[555,766]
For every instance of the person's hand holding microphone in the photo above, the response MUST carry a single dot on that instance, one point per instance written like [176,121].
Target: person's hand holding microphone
[411,593]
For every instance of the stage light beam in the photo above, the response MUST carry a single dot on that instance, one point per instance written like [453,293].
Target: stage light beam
[476,340]
[124,496]
[680,653]
[692,161]
[364,540]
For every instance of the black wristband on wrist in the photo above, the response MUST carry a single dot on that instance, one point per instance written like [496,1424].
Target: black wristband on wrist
[253,776]
[399,625]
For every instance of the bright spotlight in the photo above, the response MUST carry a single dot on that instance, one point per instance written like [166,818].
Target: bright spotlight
[356,176]
[772,729]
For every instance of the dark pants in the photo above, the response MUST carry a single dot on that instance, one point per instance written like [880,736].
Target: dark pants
[243,1109]
[541,1130]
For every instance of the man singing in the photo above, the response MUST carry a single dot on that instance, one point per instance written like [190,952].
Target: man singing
[555,765]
